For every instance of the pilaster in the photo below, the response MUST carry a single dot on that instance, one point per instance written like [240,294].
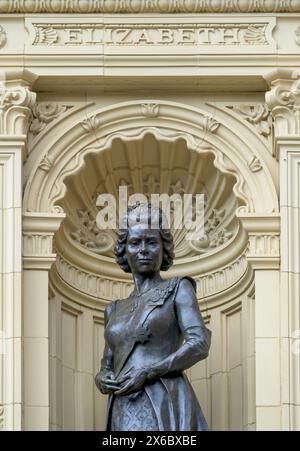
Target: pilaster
[16,101]
[284,102]
[264,256]
[38,256]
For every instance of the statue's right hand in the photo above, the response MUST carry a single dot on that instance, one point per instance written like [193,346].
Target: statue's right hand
[105,382]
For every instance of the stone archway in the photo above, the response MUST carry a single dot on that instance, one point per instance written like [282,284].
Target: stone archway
[85,136]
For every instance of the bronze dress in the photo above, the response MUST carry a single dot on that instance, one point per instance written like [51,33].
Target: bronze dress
[152,328]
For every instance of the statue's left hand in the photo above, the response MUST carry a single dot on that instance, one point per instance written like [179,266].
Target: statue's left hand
[132,381]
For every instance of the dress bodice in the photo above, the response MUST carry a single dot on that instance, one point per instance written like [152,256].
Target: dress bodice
[141,327]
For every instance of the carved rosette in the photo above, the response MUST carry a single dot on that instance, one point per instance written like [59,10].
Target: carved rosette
[44,113]
[146,6]
[16,106]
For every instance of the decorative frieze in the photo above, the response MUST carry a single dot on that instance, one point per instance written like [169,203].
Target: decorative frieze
[92,284]
[37,244]
[263,250]
[149,6]
[108,289]
[266,245]
[206,33]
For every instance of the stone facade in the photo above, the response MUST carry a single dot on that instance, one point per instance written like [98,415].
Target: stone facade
[176,99]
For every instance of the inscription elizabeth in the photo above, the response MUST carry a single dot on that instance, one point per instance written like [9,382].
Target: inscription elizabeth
[206,34]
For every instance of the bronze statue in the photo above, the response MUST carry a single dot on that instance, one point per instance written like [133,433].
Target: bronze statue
[152,336]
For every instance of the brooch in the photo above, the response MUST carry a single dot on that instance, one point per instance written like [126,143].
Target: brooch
[142,334]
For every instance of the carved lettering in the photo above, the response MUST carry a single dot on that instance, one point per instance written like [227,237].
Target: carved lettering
[73,36]
[143,37]
[187,36]
[205,36]
[166,36]
[92,37]
[147,34]
[122,35]
[228,36]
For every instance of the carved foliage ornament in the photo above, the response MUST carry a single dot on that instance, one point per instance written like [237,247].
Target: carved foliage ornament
[256,114]
[16,97]
[144,6]
[46,164]
[284,92]
[45,35]
[91,124]
[90,236]
[16,108]
[254,165]
[150,110]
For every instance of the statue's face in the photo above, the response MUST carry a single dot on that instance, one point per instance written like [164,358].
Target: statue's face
[144,249]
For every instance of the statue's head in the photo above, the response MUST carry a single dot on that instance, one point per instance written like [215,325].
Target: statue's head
[144,243]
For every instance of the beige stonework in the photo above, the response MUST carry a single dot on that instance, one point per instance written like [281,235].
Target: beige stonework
[197,96]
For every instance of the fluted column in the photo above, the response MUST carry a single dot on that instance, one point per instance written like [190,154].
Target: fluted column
[16,101]
[283,100]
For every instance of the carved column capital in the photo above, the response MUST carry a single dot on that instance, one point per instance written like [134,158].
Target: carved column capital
[264,240]
[283,99]
[16,103]
[38,233]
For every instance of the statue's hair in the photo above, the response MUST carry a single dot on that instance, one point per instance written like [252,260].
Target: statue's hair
[143,213]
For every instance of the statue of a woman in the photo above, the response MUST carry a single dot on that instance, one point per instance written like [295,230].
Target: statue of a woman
[152,336]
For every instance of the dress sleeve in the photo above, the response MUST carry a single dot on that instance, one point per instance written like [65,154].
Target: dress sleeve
[196,335]
[107,361]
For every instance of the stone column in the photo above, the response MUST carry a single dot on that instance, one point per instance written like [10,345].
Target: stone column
[263,255]
[38,256]
[16,101]
[283,100]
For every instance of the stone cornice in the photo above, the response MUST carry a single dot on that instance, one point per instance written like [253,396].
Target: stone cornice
[149,6]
